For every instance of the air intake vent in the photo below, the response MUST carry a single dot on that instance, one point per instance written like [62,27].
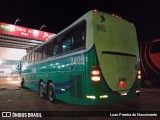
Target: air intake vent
[76,87]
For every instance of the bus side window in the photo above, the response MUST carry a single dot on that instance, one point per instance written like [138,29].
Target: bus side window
[83,38]
[67,45]
[59,41]
[79,37]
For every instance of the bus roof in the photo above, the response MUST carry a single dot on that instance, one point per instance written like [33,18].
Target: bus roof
[83,17]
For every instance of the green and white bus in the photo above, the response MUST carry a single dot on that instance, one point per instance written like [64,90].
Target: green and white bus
[94,61]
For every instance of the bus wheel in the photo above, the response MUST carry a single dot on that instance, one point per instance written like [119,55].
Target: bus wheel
[51,92]
[148,83]
[41,90]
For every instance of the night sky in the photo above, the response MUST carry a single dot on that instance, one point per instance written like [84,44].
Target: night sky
[58,14]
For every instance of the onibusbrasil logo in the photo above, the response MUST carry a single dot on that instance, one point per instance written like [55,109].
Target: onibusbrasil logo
[21,114]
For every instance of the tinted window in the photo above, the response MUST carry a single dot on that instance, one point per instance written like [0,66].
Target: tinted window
[74,38]
[69,41]
[79,37]
[67,45]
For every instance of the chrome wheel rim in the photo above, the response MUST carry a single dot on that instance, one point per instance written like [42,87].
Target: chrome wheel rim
[41,92]
[50,94]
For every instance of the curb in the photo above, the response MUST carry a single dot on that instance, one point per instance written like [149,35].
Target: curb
[14,88]
[10,89]
[2,88]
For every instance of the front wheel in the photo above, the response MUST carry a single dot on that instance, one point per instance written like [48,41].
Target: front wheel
[51,92]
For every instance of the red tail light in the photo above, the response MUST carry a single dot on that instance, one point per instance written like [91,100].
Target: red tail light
[122,84]
[95,72]
[95,66]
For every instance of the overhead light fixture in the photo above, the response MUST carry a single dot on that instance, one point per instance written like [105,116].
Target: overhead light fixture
[17,20]
[42,27]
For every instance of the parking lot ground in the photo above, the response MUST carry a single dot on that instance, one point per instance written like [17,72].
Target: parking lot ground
[15,98]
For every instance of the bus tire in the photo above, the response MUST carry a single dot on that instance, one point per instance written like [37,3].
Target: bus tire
[148,83]
[41,90]
[51,92]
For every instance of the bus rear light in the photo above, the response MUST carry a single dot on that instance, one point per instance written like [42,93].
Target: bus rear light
[63,90]
[103,96]
[95,10]
[139,72]
[139,77]
[122,94]
[122,84]
[95,78]
[95,66]
[91,97]
[138,91]
[95,72]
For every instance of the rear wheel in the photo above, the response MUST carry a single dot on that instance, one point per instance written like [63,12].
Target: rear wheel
[41,90]
[51,92]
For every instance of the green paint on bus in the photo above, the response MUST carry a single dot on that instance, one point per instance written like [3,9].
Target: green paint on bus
[94,61]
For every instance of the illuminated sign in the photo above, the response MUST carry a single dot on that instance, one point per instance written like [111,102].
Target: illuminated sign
[23,32]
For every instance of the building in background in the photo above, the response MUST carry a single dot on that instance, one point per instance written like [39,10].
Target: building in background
[9,60]
[15,42]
